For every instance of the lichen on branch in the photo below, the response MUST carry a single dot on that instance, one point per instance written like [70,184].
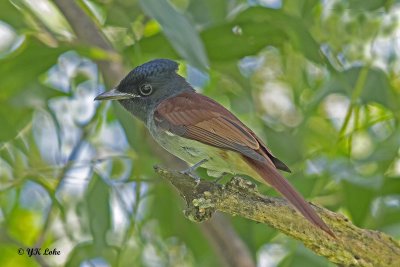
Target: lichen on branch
[352,247]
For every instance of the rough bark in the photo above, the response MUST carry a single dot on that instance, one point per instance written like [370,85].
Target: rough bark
[353,246]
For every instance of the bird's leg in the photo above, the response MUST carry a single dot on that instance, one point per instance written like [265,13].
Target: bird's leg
[190,171]
[195,166]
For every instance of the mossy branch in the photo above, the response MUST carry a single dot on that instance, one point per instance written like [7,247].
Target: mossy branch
[353,247]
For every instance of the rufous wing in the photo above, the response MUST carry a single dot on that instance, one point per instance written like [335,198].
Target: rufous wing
[200,118]
[197,117]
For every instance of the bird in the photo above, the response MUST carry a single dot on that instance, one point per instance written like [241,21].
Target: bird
[200,131]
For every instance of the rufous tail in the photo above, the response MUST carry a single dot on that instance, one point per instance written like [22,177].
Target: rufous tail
[271,175]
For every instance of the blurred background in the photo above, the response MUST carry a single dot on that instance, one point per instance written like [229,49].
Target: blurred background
[316,79]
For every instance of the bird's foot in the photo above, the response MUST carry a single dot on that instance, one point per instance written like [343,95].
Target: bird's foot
[192,175]
[191,171]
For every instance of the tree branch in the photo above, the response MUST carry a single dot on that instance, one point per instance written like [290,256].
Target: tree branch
[353,247]
[88,33]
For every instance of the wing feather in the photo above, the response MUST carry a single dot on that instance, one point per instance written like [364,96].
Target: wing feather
[200,118]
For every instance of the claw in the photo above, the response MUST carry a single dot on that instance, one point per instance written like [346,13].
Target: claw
[190,171]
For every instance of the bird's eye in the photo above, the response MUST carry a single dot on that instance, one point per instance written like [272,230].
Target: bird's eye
[146,89]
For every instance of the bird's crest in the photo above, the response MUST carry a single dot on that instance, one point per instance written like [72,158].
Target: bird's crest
[153,68]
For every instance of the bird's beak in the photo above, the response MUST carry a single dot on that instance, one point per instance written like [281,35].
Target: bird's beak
[114,94]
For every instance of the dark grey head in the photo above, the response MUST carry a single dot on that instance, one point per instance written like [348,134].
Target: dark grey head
[146,86]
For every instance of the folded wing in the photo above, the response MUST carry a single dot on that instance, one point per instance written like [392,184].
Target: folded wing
[200,118]
[197,117]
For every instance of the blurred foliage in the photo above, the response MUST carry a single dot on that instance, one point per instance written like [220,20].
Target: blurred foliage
[318,80]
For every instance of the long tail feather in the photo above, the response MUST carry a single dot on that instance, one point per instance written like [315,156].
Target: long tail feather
[271,175]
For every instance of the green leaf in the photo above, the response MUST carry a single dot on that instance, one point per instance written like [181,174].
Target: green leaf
[301,256]
[21,106]
[118,16]
[255,235]
[9,256]
[121,13]
[391,186]
[248,40]
[208,12]
[285,143]
[25,65]
[358,200]
[10,14]
[179,30]
[362,5]
[375,88]
[98,202]
[150,48]
[86,251]
[304,9]
[118,168]
[256,28]
[387,214]
[251,31]
[386,150]
[20,85]
[21,225]
[12,120]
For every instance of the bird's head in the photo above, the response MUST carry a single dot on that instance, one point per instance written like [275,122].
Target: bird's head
[146,86]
